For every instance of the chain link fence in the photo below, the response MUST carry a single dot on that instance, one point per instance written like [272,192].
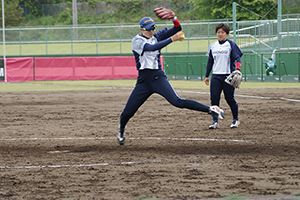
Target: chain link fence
[251,36]
[257,40]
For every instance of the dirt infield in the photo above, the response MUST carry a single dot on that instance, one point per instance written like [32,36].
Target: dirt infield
[62,145]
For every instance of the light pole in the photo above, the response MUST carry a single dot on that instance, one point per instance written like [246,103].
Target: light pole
[3,30]
[74,11]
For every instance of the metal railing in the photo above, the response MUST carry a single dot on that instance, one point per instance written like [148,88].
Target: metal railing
[251,36]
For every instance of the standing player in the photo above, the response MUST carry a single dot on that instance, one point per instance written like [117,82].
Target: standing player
[222,56]
[151,79]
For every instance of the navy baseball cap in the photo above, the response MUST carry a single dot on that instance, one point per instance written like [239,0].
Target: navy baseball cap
[147,23]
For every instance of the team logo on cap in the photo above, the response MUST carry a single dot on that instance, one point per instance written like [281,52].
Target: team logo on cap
[149,20]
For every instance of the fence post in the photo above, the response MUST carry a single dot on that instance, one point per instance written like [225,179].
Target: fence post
[71,39]
[204,66]
[208,32]
[175,67]
[20,38]
[299,67]
[261,66]
[279,68]
[187,68]
[188,35]
[288,32]
[201,66]
[245,70]
[96,39]
[46,37]
[120,32]
[298,31]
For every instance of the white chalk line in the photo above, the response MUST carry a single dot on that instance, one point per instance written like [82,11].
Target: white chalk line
[186,91]
[296,100]
[131,138]
[247,96]
[102,164]
[110,138]
[80,165]
[238,95]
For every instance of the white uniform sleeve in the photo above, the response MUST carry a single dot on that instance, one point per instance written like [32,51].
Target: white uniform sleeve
[138,44]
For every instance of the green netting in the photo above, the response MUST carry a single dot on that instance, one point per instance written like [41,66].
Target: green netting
[193,67]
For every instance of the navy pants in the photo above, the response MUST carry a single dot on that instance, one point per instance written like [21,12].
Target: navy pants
[217,84]
[155,81]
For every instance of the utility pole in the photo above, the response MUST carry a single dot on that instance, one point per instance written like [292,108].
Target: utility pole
[279,23]
[234,20]
[3,30]
[74,11]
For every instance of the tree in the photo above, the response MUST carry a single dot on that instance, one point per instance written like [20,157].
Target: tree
[13,13]
[222,9]
[35,6]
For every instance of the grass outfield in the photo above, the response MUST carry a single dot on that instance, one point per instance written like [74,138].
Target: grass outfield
[103,47]
[93,48]
[102,84]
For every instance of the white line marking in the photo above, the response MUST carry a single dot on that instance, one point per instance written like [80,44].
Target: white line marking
[103,164]
[247,96]
[255,97]
[78,165]
[289,99]
[185,91]
[194,139]
[133,138]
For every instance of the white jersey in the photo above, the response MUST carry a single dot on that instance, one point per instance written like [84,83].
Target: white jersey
[221,56]
[145,59]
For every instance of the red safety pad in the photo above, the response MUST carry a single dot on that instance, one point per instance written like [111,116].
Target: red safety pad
[19,69]
[85,68]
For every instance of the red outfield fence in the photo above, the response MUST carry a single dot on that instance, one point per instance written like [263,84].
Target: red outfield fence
[69,68]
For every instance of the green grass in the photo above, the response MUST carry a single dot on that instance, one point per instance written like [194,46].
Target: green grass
[100,48]
[103,84]
[91,48]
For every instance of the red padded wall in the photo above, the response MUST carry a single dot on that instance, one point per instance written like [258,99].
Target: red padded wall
[85,68]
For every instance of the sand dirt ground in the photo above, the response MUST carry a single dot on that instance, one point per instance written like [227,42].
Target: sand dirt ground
[62,145]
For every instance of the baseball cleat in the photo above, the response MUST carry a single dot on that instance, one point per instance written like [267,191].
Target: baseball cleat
[121,136]
[216,111]
[214,125]
[235,124]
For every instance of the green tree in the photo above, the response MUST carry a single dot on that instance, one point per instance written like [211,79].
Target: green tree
[13,13]
[221,9]
[35,6]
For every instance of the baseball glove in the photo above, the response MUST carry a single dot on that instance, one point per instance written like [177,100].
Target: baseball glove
[234,79]
[163,13]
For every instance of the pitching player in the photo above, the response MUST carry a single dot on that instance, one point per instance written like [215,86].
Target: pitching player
[224,56]
[146,48]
